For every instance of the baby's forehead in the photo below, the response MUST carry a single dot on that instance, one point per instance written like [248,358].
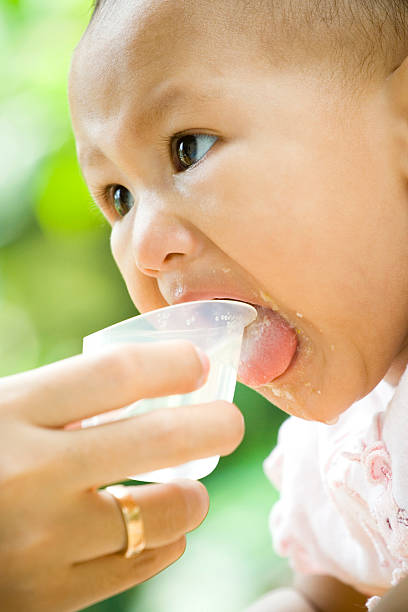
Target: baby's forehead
[352,40]
[130,48]
[127,36]
[150,28]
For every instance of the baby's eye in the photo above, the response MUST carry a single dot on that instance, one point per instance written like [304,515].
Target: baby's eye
[191,148]
[122,200]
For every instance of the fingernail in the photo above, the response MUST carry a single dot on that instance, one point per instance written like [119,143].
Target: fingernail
[332,421]
[205,363]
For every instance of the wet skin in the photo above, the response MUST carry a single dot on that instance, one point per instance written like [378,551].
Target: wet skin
[298,201]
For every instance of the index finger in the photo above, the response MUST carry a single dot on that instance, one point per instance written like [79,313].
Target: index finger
[165,437]
[118,375]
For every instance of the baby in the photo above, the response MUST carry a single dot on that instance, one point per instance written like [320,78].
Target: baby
[259,151]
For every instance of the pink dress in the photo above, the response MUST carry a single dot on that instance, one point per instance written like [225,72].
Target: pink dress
[343,507]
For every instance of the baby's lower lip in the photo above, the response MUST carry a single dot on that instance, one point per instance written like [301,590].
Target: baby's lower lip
[268,348]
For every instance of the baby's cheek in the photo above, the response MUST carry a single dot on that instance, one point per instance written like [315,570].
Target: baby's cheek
[121,247]
[118,243]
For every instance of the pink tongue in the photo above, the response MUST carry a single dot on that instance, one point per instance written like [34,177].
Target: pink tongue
[268,347]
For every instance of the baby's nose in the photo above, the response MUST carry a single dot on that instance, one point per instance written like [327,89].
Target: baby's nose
[160,239]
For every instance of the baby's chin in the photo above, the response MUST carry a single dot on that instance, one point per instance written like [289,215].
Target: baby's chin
[318,385]
[305,402]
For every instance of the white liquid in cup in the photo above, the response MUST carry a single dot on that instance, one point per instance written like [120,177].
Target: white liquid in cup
[220,339]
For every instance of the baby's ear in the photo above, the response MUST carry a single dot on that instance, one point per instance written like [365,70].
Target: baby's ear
[397,88]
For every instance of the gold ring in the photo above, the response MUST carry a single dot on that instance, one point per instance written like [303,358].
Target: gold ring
[132,519]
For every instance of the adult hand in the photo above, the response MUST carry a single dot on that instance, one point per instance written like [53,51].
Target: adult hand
[62,539]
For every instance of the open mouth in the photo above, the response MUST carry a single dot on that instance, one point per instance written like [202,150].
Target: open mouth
[269,343]
[268,347]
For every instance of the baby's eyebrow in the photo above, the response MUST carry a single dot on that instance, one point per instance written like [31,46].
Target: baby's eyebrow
[172,96]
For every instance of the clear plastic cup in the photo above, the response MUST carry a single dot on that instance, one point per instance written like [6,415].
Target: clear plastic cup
[216,327]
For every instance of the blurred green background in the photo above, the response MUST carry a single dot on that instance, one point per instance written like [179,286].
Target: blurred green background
[58,283]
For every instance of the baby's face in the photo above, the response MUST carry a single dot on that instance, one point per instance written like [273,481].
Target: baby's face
[281,188]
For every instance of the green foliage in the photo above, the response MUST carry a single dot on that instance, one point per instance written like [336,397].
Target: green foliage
[63,202]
